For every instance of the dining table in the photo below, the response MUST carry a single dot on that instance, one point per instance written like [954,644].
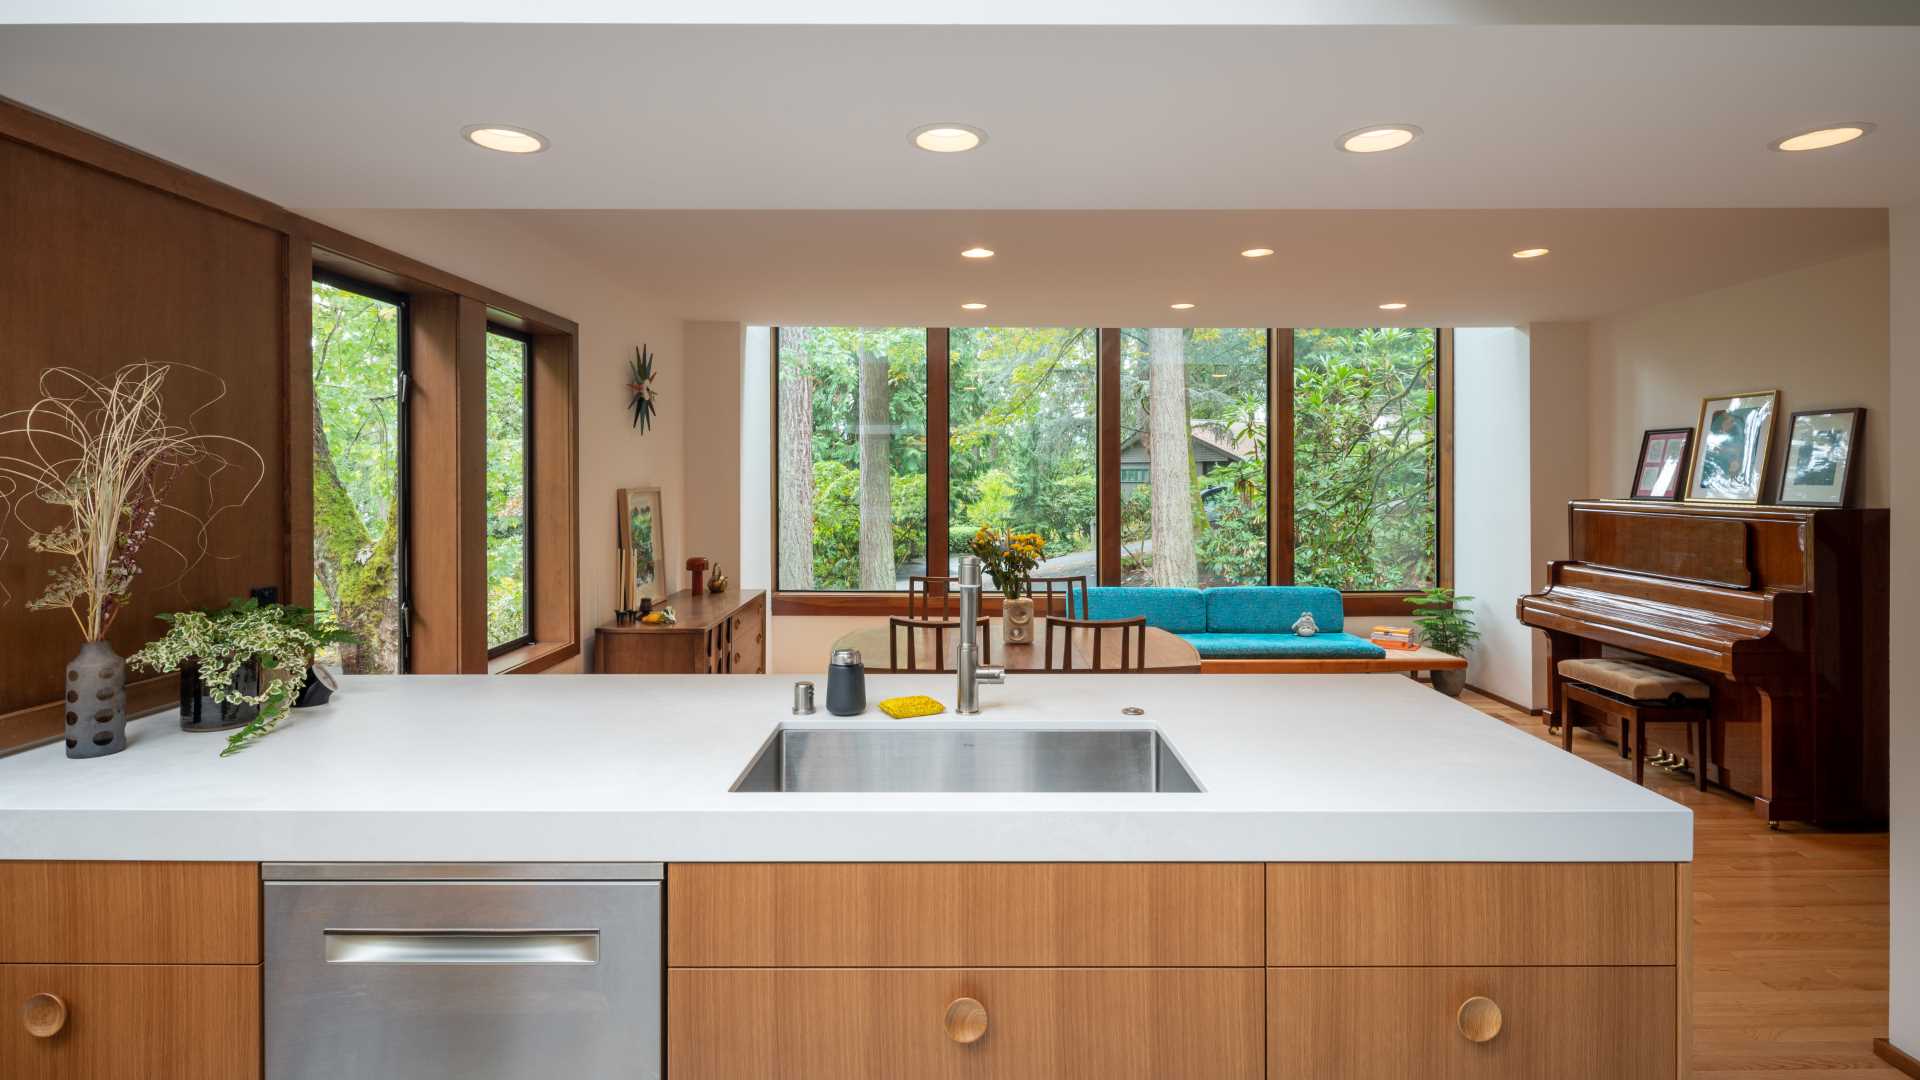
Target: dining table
[1166,653]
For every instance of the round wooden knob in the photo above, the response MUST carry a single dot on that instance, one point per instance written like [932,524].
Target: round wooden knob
[1479,1019]
[45,1014]
[966,1021]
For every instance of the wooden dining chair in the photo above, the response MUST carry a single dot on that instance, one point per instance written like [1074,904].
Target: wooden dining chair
[1132,657]
[1044,589]
[914,629]
[921,593]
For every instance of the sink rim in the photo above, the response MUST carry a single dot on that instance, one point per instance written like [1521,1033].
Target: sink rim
[1161,743]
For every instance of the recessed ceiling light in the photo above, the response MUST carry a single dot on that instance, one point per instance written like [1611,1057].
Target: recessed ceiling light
[1530,253]
[1395,306]
[1257,253]
[1181,306]
[507,140]
[948,138]
[1372,140]
[977,253]
[1821,138]
[974,306]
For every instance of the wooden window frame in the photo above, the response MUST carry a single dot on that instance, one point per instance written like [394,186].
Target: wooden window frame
[1282,542]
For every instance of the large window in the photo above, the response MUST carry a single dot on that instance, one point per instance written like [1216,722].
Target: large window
[359,482]
[1151,455]
[1193,456]
[509,562]
[1365,458]
[1023,452]
[852,448]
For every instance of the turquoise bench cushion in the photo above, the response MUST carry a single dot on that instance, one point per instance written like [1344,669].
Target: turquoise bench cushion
[1178,611]
[1273,609]
[1283,647]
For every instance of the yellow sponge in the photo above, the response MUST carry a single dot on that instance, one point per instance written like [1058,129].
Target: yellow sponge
[901,708]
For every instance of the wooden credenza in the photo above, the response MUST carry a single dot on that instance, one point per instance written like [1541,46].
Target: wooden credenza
[716,634]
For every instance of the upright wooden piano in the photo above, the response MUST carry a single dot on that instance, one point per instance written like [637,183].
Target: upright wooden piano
[1782,610]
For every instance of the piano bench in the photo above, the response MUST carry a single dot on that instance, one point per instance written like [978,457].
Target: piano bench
[1677,705]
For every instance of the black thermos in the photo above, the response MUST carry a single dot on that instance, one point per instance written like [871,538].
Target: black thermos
[846,683]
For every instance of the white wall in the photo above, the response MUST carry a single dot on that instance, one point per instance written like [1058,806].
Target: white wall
[1492,522]
[710,515]
[1817,334]
[1904,490]
[756,450]
[497,252]
[1557,427]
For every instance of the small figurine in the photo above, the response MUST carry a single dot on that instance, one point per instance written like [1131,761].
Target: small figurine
[718,582]
[1305,626]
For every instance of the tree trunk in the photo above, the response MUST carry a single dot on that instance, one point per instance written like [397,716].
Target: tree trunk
[1169,441]
[876,473]
[796,481]
[354,569]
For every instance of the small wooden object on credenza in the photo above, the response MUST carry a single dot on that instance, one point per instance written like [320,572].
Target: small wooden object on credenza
[713,634]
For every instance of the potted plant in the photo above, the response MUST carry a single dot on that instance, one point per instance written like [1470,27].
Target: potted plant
[256,661]
[95,459]
[1448,628]
[1011,558]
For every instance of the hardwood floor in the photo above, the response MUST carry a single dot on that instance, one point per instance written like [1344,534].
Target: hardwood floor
[1790,933]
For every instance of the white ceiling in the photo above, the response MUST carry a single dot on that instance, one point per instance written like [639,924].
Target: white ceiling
[811,117]
[1108,268]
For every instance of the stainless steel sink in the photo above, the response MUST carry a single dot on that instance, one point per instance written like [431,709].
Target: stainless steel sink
[966,759]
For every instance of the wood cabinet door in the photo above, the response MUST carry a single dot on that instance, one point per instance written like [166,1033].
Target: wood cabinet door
[1059,1024]
[130,1022]
[129,913]
[1567,1023]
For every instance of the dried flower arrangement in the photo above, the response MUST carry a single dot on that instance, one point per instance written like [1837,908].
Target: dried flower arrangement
[103,455]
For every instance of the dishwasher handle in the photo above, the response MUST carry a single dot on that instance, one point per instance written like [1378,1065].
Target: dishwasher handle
[462,946]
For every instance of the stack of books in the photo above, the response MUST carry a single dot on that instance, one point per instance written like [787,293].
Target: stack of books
[1393,637]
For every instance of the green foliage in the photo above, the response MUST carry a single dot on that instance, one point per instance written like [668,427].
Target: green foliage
[282,639]
[1443,625]
[507,614]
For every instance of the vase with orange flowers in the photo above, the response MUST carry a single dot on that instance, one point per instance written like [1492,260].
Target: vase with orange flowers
[1011,558]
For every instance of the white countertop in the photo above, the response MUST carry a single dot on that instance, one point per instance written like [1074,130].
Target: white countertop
[617,767]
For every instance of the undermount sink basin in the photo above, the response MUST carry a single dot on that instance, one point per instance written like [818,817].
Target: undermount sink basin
[966,759]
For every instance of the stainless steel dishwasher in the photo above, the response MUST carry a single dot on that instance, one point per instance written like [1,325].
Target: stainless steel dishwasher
[487,971]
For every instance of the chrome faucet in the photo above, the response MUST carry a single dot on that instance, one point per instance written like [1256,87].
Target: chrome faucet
[966,658]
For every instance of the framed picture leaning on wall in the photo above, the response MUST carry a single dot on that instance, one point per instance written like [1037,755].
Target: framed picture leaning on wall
[1730,448]
[1820,449]
[1661,471]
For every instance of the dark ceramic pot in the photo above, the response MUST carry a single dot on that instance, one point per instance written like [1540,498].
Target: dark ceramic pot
[198,710]
[1450,682]
[315,691]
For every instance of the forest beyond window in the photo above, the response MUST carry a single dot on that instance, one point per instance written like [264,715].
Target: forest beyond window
[1192,438]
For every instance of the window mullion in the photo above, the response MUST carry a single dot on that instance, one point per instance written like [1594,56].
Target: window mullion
[1280,529]
[939,449]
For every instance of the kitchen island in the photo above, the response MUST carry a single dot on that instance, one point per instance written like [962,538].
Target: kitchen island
[1373,879]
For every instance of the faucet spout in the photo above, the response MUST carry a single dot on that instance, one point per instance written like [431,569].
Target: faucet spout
[966,660]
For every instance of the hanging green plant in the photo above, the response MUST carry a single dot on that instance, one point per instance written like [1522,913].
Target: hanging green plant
[640,384]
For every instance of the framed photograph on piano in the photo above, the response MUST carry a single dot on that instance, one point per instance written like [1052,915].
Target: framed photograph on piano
[1820,447]
[1661,471]
[1731,447]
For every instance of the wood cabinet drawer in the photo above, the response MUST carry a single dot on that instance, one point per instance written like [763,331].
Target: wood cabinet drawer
[132,1022]
[129,913]
[963,914]
[1394,914]
[1096,1024]
[1569,1023]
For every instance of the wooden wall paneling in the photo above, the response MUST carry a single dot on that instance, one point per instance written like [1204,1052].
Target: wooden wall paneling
[97,271]
[556,482]
[446,416]
[1107,485]
[1080,1024]
[129,913]
[1280,538]
[939,438]
[144,1021]
[1403,914]
[964,915]
[297,499]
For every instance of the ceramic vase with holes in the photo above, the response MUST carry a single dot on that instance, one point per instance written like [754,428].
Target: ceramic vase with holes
[1018,619]
[96,702]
